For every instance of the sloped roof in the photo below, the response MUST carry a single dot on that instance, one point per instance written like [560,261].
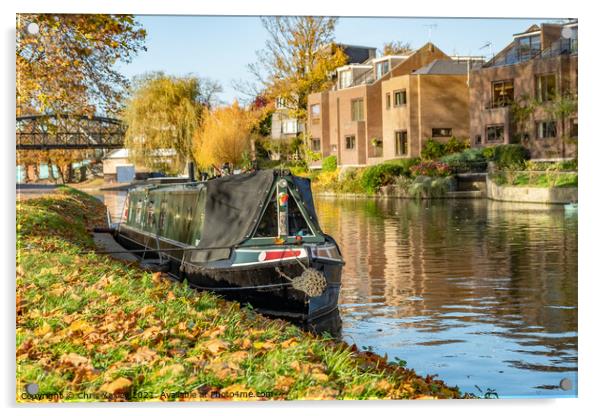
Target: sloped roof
[443,67]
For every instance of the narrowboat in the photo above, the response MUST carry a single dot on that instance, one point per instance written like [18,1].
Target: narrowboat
[252,237]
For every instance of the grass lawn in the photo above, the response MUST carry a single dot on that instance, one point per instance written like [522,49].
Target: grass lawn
[91,328]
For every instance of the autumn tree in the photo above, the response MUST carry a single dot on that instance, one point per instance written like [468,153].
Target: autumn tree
[162,114]
[226,135]
[67,65]
[299,55]
[396,48]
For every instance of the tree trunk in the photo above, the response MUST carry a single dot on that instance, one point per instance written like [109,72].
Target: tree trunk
[30,173]
[61,175]
[83,173]
[70,173]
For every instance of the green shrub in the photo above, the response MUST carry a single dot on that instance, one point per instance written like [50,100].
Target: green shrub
[350,181]
[489,153]
[455,145]
[406,164]
[510,156]
[329,164]
[300,171]
[433,149]
[376,176]
[566,165]
[469,160]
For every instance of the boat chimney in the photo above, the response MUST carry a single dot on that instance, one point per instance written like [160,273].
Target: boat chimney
[191,171]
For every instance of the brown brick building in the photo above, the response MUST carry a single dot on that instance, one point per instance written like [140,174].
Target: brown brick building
[532,72]
[431,102]
[386,108]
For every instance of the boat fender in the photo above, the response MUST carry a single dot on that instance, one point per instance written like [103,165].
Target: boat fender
[311,282]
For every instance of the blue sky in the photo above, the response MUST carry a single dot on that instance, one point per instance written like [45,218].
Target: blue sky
[220,47]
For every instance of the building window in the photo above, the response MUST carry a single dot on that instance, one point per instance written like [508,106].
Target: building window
[388,100]
[399,98]
[545,87]
[495,134]
[280,103]
[315,110]
[381,69]
[315,113]
[502,93]
[345,79]
[401,143]
[349,142]
[546,129]
[478,139]
[289,126]
[315,145]
[357,109]
[439,132]
[528,47]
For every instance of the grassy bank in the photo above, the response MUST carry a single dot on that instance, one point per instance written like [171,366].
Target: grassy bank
[92,328]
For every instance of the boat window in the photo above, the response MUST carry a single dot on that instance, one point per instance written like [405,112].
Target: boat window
[150,214]
[138,218]
[162,214]
[268,226]
[296,222]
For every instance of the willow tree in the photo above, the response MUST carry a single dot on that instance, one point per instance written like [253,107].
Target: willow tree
[66,63]
[226,135]
[299,56]
[162,114]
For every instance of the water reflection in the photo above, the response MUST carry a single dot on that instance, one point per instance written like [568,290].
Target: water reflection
[482,293]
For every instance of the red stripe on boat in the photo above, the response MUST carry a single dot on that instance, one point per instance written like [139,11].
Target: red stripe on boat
[278,254]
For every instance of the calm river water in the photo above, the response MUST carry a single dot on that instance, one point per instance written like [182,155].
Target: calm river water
[482,293]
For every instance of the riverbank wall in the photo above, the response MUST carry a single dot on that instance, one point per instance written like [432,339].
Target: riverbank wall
[476,187]
[553,195]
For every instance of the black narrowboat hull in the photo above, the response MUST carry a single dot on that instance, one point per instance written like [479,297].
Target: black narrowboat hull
[260,284]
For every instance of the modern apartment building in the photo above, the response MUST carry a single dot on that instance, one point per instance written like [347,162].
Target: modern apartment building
[514,96]
[284,126]
[386,108]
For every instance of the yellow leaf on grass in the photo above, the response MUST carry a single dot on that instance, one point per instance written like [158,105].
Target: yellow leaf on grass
[142,355]
[174,369]
[215,346]
[42,330]
[74,360]
[145,310]
[81,326]
[222,370]
[383,385]
[284,383]
[320,376]
[425,397]
[152,333]
[237,357]
[320,393]
[119,386]
[296,366]
[267,345]
[290,343]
